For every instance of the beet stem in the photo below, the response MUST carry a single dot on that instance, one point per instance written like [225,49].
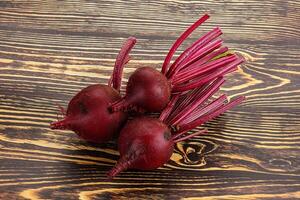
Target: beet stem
[196,72]
[178,42]
[190,51]
[210,57]
[121,60]
[204,110]
[212,75]
[188,136]
[215,113]
[127,59]
[184,102]
[198,56]
[166,112]
[198,100]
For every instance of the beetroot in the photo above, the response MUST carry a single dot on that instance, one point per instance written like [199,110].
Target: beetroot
[145,82]
[88,114]
[146,143]
[202,62]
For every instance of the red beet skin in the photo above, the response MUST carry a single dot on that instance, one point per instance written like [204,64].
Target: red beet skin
[147,89]
[88,116]
[144,143]
[156,138]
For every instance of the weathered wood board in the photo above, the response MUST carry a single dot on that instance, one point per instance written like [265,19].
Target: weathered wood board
[49,50]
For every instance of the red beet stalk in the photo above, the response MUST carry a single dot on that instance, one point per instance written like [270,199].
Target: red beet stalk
[151,90]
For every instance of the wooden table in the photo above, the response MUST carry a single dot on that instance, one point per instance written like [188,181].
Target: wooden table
[49,50]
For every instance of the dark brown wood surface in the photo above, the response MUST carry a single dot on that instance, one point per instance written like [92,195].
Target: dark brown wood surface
[49,50]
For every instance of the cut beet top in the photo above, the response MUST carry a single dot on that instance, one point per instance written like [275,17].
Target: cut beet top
[146,143]
[87,113]
[205,60]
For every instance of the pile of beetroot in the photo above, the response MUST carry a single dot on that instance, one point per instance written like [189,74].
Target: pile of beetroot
[184,93]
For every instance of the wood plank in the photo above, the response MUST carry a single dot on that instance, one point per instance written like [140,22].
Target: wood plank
[49,50]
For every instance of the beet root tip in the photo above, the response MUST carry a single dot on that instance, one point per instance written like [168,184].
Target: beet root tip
[112,173]
[123,164]
[62,124]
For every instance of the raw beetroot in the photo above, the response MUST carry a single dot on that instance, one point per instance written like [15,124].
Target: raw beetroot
[150,90]
[88,114]
[146,143]
[147,90]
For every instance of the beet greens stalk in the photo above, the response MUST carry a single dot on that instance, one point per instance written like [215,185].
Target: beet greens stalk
[146,143]
[203,61]
[122,59]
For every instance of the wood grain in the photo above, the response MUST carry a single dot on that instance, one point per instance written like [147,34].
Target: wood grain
[49,50]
